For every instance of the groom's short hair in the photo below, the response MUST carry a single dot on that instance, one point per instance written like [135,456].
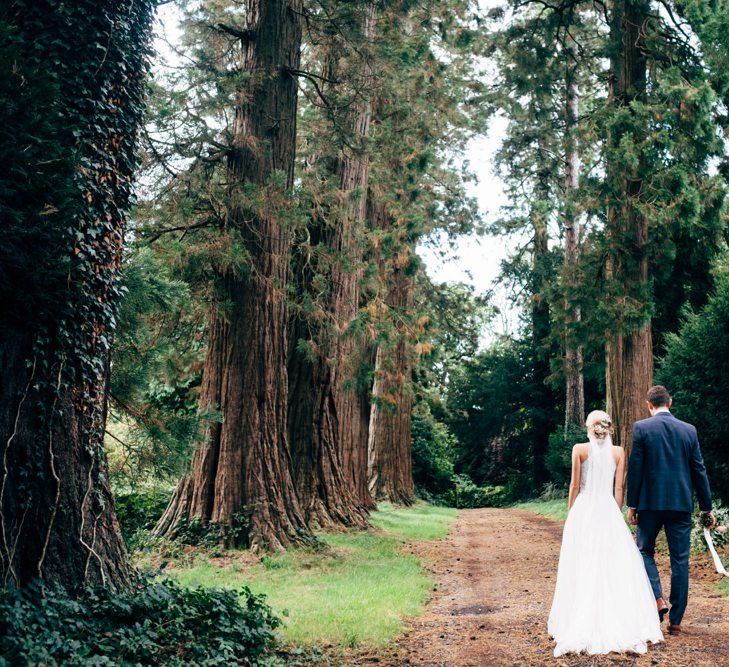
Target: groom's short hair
[658,396]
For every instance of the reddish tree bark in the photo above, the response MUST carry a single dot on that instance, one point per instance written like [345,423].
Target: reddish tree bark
[389,445]
[575,384]
[325,414]
[629,371]
[240,478]
[541,329]
[390,441]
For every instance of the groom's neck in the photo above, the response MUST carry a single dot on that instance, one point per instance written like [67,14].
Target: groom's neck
[663,408]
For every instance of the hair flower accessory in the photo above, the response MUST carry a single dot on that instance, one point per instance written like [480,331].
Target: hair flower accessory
[599,425]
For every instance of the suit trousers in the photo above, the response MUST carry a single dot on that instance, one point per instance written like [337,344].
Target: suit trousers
[678,533]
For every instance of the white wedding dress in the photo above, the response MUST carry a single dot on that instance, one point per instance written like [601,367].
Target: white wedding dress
[603,600]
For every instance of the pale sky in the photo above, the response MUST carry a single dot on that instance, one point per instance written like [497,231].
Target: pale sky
[477,260]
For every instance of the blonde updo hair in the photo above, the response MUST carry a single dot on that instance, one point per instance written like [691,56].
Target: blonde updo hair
[599,425]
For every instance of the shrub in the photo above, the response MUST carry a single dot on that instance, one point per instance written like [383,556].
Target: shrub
[464,493]
[138,512]
[552,491]
[433,447]
[158,623]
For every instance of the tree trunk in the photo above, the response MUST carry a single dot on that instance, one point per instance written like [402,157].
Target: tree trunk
[629,371]
[389,444]
[541,329]
[240,478]
[58,521]
[58,517]
[390,441]
[628,377]
[574,384]
[356,442]
[324,412]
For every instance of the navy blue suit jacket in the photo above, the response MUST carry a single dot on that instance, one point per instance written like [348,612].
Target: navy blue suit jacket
[666,466]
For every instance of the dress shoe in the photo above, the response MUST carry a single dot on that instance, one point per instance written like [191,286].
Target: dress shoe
[662,608]
[674,629]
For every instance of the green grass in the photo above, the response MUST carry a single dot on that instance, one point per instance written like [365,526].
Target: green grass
[357,593]
[724,587]
[557,510]
[554,509]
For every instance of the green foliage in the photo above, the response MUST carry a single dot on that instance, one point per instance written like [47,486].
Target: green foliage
[138,512]
[695,368]
[95,94]
[210,535]
[455,317]
[156,373]
[433,451]
[559,454]
[37,188]
[159,623]
[464,493]
[495,412]
[665,137]
[552,491]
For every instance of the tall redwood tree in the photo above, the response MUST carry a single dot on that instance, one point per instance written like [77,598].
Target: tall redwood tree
[325,420]
[389,462]
[240,477]
[629,372]
[574,355]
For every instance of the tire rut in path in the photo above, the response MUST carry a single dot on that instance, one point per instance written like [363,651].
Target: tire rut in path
[496,575]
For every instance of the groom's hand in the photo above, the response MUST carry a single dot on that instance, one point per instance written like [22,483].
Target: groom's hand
[708,520]
[632,517]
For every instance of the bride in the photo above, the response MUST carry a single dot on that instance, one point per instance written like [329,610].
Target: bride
[603,600]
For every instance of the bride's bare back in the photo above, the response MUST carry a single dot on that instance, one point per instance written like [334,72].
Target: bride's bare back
[580,454]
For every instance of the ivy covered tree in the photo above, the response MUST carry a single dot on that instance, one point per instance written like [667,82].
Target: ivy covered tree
[72,88]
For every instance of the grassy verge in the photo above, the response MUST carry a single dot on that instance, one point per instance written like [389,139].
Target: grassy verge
[554,509]
[557,509]
[356,593]
[724,587]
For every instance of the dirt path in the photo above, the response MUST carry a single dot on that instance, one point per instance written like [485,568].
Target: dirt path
[496,576]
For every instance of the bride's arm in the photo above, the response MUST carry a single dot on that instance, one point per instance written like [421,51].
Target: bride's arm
[620,479]
[576,472]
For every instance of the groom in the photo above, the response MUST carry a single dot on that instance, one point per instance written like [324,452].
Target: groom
[665,468]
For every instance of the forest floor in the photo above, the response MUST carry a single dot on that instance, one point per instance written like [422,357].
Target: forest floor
[496,573]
